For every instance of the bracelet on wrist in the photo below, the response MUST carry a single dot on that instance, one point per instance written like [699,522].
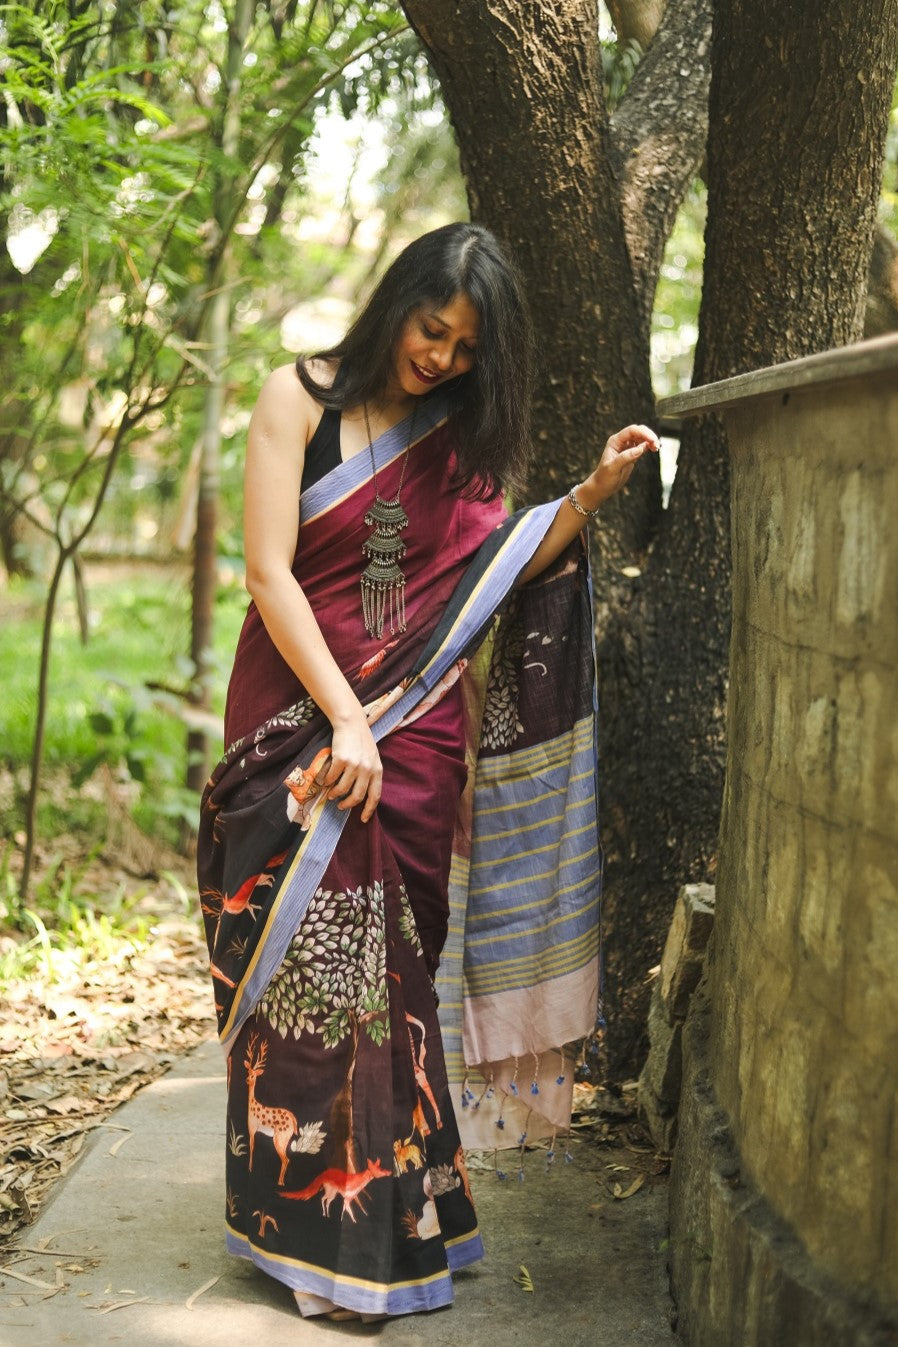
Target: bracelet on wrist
[587,514]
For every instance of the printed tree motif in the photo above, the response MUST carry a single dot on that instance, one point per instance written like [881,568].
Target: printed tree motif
[292,718]
[500,712]
[407,928]
[333,982]
[334,970]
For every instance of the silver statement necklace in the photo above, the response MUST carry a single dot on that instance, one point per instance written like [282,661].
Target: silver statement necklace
[383,582]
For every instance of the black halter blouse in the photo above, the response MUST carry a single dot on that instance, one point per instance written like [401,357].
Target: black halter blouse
[323,449]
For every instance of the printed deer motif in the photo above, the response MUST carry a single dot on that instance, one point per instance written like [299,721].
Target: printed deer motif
[222,977]
[264,1220]
[277,1123]
[336,1182]
[421,1080]
[419,1122]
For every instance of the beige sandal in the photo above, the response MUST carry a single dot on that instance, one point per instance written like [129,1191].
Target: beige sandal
[319,1307]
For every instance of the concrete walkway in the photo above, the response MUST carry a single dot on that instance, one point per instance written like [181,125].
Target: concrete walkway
[141,1230]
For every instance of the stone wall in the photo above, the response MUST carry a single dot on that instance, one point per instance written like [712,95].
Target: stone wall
[681,968]
[784,1201]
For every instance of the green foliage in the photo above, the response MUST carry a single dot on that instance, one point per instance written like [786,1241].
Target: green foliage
[111,171]
[619,61]
[120,704]
[678,296]
[129,201]
[334,977]
[121,205]
[64,926]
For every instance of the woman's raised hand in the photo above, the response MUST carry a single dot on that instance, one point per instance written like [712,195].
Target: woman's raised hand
[619,458]
[355,772]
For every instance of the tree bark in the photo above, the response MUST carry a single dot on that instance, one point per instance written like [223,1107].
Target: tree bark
[636,20]
[658,135]
[882,293]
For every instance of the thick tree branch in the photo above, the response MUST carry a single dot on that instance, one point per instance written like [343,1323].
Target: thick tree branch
[636,20]
[658,136]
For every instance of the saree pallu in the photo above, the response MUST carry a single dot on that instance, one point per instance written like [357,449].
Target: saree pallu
[346,1175]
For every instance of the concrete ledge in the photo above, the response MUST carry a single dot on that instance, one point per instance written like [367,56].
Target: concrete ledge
[877,356]
[738,1273]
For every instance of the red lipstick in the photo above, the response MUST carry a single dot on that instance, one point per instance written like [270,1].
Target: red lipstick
[423,374]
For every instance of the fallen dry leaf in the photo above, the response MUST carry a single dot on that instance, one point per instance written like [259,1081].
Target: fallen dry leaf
[67,1103]
[117,1145]
[119,1305]
[621,1193]
[524,1279]
[206,1286]
[23,1277]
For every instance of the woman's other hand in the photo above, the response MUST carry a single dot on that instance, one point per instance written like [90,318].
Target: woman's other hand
[619,458]
[355,774]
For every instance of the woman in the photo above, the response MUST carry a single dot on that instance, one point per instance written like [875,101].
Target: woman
[343,817]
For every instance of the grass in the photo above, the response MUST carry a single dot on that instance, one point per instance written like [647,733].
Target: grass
[113,701]
[64,927]
[115,757]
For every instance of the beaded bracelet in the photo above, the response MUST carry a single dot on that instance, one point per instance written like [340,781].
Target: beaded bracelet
[587,514]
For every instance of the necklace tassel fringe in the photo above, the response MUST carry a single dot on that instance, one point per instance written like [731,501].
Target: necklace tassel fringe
[383,582]
[381,603]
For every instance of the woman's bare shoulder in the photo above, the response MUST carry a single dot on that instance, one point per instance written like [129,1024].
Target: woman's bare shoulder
[283,386]
[285,405]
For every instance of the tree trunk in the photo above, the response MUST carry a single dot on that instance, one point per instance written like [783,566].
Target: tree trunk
[342,1128]
[658,136]
[793,173]
[217,336]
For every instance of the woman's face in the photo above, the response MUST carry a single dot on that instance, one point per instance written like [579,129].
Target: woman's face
[437,343]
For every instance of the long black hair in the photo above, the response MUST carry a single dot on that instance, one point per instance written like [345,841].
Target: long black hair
[490,404]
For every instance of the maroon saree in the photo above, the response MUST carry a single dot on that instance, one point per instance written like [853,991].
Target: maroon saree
[345,1170]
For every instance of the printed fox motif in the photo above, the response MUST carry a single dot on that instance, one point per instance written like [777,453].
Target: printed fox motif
[375,661]
[336,1182]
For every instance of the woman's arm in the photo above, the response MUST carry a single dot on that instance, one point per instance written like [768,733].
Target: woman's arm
[278,433]
[611,474]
